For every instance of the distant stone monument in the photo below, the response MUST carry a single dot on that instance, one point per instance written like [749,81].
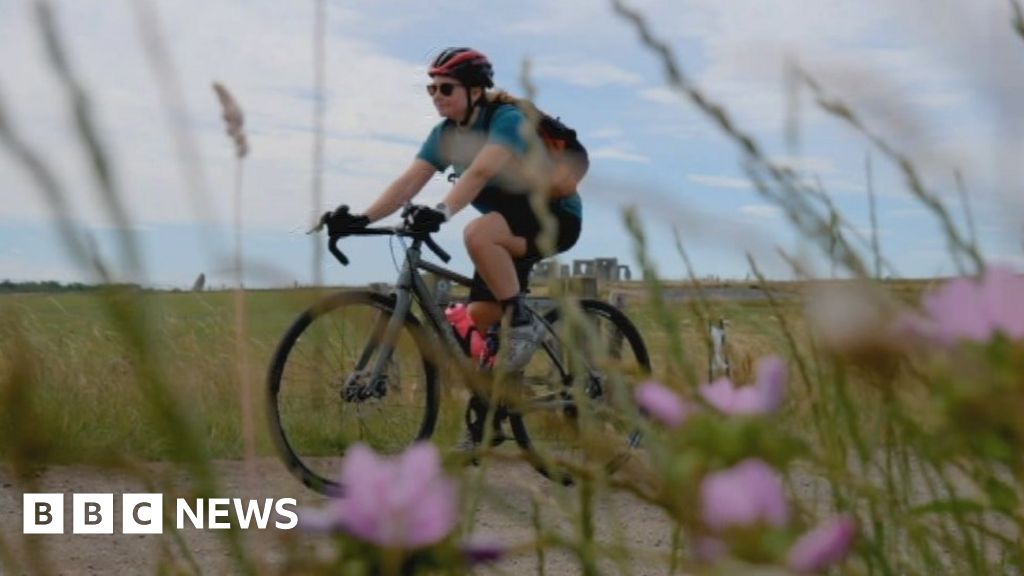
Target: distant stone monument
[606,269]
[200,284]
[550,269]
[583,268]
[602,269]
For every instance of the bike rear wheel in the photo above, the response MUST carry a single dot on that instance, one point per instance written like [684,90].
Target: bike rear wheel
[576,410]
[322,398]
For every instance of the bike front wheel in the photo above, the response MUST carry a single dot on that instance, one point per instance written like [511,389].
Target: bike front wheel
[326,395]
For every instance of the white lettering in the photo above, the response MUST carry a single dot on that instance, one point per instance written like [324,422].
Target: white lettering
[218,508]
[253,509]
[185,510]
[290,514]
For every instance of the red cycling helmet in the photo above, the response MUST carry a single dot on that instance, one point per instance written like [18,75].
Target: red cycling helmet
[466,65]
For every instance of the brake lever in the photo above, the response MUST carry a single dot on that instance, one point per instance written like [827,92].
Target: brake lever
[444,256]
[332,247]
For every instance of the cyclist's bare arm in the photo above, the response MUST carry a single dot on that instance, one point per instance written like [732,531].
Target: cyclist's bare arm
[488,162]
[401,190]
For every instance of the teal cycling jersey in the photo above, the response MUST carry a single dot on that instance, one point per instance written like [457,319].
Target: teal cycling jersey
[448,145]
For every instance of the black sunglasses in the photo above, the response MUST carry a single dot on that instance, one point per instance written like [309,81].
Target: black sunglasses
[446,88]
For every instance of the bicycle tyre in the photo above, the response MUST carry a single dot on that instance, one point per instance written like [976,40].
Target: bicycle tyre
[310,425]
[531,441]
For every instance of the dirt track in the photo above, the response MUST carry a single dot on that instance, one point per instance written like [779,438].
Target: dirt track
[505,515]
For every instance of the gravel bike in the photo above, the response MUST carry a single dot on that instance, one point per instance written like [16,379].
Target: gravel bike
[366,366]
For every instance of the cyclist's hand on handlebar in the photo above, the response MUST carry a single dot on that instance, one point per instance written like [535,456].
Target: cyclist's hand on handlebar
[341,222]
[424,220]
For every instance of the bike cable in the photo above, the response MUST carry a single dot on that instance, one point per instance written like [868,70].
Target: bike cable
[391,249]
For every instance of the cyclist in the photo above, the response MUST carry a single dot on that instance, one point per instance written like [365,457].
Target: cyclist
[485,148]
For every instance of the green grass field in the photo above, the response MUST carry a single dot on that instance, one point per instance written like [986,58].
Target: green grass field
[84,384]
[85,387]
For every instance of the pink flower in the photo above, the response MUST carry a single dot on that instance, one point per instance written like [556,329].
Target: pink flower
[766,395]
[404,501]
[747,494]
[827,544]
[968,309]
[662,403]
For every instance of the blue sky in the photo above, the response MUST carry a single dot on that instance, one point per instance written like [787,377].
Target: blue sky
[941,80]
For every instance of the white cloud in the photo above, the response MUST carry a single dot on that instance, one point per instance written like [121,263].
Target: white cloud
[765,211]
[900,88]
[619,153]
[940,100]
[716,181]
[26,269]
[808,165]
[263,53]
[976,41]
[840,185]
[583,20]
[1012,260]
[906,213]
[662,95]
[676,130]
[607,133]
[586,73]
[863,232]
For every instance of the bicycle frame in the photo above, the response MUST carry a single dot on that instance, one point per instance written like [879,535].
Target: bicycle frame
[411,287]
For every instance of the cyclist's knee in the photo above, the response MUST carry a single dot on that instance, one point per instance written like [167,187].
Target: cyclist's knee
[471,234]
[484,231]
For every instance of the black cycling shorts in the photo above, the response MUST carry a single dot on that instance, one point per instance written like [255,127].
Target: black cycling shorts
[523,222]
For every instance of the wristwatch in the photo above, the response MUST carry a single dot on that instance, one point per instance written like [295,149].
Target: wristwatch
[444,209]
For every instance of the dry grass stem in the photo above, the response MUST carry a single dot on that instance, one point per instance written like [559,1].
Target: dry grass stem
[234,120]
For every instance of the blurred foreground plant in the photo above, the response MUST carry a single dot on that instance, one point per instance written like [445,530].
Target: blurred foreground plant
[739,510]
[397,515]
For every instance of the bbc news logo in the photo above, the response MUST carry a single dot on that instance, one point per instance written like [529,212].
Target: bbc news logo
[144,513]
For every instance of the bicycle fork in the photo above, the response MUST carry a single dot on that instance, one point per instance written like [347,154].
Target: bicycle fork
[380,347]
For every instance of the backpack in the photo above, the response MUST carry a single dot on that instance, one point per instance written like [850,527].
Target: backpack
[569,159]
